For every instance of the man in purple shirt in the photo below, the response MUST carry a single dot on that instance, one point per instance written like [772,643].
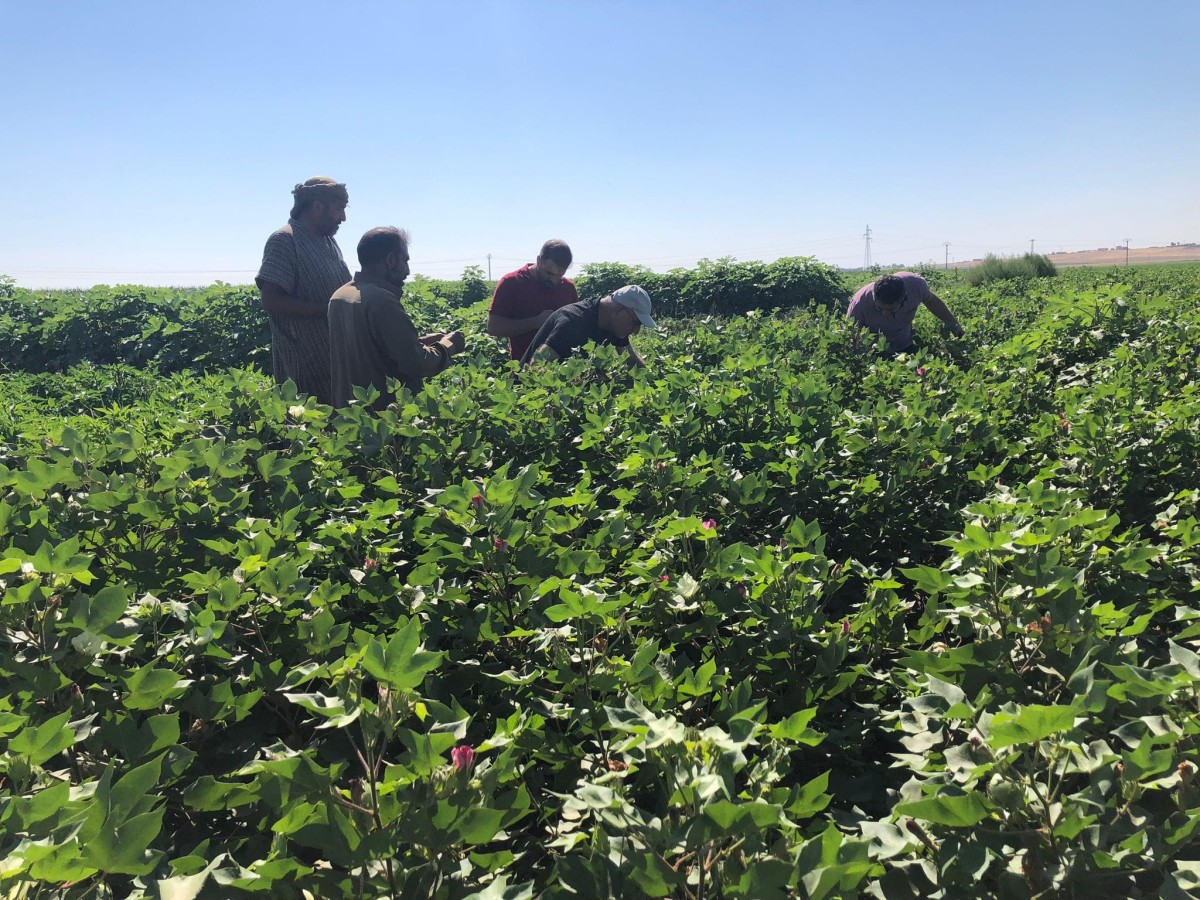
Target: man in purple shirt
[887,306]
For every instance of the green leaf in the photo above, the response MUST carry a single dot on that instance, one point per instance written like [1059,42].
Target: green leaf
[1030,725]
[1185,658]
[122,847]
[795,728]
[150,687]
[811,798]
[479,825]
[43,741]
[95,614]
[961,811]
[400,663]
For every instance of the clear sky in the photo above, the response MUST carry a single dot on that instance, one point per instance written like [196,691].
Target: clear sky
[157,143]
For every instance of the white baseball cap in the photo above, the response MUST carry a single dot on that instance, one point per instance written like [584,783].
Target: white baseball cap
[633,297]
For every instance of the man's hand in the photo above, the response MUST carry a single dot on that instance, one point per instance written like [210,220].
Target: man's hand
[431,338]
[455,342]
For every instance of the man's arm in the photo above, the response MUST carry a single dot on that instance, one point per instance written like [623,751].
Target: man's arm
[414,357]
[503,326]
[277,301]
[544,353]
[936,306]
[634,358]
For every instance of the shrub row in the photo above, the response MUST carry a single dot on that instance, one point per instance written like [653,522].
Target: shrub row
[212,328]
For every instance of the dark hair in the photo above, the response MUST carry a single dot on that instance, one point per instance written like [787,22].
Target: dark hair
[376,244]
[890,290]
[557,252]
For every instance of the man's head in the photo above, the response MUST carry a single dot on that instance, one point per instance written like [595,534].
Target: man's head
[383,254]
[320,203]
[889,292]
[552,263]
[631,311]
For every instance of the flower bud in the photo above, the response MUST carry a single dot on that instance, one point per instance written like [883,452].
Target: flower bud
[463,757]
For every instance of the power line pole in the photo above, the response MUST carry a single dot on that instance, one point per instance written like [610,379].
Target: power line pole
[489,267]
[947,264]
[1031,246]
[1126,251]
[867,254]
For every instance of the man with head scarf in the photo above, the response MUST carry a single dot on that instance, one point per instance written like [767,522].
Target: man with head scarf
[301,268]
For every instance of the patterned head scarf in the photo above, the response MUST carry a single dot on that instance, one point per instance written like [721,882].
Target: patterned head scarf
[320,187]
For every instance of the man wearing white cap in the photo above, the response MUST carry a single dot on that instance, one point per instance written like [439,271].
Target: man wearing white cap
[607,320]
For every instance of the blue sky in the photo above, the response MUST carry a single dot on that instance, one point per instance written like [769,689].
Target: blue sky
[156,143]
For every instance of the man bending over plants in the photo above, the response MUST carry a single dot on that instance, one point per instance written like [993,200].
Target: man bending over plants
[608,320]
[371,337]
[525,298]
[888,305]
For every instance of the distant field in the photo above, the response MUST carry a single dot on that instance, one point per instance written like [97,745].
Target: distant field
[1113,256]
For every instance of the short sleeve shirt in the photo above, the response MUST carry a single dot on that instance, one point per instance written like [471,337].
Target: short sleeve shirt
[571,327]
[894,324]
[303,264]
[520,295]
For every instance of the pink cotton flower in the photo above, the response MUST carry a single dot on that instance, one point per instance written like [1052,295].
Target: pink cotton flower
[845,626]
[500,544]
[743,591]
[369,564]
[710,524]
[477,501]
[463,757]
[664,578]
[921,370]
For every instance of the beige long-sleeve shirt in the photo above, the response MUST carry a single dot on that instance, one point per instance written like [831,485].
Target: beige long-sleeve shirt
[371,338]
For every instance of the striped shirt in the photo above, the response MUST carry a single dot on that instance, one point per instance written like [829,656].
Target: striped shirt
[310,268]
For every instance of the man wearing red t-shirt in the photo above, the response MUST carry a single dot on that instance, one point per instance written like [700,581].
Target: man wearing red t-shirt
[525,298]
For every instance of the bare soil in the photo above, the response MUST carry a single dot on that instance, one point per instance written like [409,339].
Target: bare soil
[1115,256]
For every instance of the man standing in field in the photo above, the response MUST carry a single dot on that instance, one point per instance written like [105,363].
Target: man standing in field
[608,320]
[887,306]
[302,266]
[525,298]
[371,337]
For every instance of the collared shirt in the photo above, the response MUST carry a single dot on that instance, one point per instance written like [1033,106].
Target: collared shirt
[572,327]
[520,295]
[371,339]
[895,324]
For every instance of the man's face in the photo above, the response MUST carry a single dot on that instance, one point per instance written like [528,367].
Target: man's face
[330,216]
[397,269]
[548,272]
[626,322]
[888,309]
